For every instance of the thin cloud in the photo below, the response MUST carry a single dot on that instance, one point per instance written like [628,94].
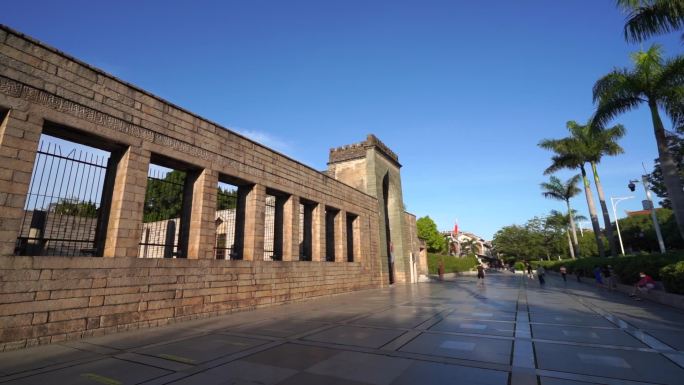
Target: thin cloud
[267,139]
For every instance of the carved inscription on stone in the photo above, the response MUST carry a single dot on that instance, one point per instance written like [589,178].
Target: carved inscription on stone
[23,91]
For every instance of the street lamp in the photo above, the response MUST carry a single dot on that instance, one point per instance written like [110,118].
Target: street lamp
[649,206]
[614,202]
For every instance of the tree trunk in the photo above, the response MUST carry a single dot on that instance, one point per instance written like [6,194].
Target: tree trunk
[608,227]
[572,252]
[592,212]
[574,231]
[669,168]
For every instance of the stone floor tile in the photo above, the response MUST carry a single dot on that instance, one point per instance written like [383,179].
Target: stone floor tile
[292,356]
[362,367]
[585,335]
[239,372]
[463,347]
[142,337]
[460,325]
[614,363]
[429,373]
[356,336]
[105,371]
[674,338]
[38,357]
[276,328]
[197,350]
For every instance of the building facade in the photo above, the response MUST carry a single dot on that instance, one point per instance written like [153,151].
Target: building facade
[113,211]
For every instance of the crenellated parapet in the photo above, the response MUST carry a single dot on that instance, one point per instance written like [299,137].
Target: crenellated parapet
[358,150]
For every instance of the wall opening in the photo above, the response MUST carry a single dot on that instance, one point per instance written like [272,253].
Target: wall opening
[306,209]
[67,205]
[351,236]
[226,215]
[330,218]
[273,225]
[388,234]
[166,211]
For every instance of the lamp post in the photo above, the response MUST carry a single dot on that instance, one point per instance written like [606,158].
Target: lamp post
[644,181]
[614,202]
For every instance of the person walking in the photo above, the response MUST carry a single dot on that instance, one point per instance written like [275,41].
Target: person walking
[597,276]
[609,276]
[480,274]
[578,274]
[540,274]
[528,265]
[564,273]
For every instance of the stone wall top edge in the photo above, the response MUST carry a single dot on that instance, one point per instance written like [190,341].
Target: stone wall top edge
[168,103]
[353,151]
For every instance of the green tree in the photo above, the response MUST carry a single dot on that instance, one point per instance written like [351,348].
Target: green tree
[512,242]
[471,247]
[598,142]
[660,85]
[75,208]
[427,230]
[564,191]
[226,199]
[557,225]
[647,18]
[164,197]
[676,146]
[570,153]
[638,233]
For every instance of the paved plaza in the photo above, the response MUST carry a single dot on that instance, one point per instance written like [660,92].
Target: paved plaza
[506,331]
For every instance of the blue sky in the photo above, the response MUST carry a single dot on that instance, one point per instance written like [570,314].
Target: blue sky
[462,90]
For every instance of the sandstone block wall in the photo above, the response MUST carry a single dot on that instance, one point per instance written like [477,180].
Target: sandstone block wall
[44,299]
[49,299]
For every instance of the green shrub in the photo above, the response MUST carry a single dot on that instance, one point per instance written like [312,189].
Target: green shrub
[451,264]
[626,268]
[673,277]
[519,266]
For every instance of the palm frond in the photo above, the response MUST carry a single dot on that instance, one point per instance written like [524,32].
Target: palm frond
[648,19]
[608,110]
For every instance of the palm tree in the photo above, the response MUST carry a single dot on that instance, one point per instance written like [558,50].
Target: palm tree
[659,84]
[648,18]
[571,154]
[555,189]
[560,221]
[596,143]
[471,246]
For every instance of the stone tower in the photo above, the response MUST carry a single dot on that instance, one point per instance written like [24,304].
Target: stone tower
[370,166]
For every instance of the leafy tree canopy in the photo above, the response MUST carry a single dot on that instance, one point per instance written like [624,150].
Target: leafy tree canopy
[427,230]
[676,146]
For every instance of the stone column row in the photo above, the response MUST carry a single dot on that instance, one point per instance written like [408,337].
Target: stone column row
[121,232]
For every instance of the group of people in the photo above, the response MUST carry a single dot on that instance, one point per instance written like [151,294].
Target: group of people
[604,277]
[541,273]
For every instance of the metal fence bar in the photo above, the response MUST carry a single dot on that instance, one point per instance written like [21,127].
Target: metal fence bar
[269,227]
[226,212]
[60,213]
[161,214]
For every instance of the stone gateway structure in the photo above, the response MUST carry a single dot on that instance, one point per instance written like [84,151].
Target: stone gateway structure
[120,210]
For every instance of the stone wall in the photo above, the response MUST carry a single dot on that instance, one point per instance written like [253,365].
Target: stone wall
[44,299]
[49,299]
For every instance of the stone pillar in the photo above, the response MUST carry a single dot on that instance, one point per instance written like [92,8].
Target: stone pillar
[341,236]
[124,228]
[255,212]
[19,137]
[291,229]
[318,232]
[202,232]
